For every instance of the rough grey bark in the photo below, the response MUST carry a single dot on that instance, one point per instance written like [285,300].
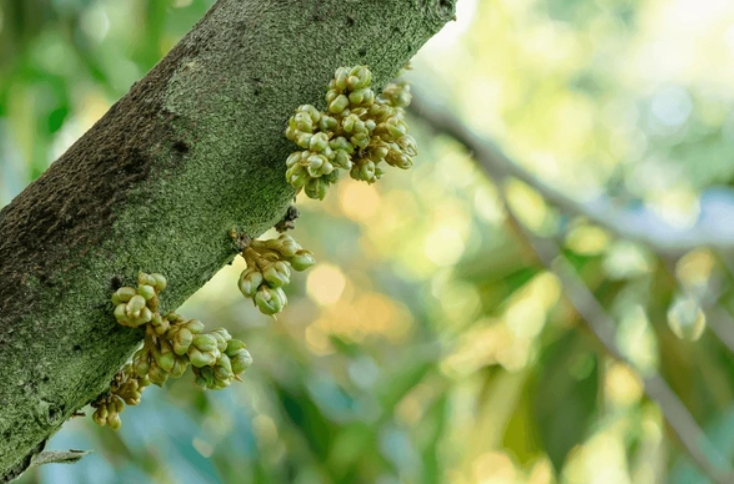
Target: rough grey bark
[194,150]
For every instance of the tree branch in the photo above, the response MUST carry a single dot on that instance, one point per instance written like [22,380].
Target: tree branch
[639,225]
[602,326]
[194,150]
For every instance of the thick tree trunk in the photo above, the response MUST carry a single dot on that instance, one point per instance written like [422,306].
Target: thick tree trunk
[194,150]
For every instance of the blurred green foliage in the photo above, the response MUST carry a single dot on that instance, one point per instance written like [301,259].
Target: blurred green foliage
[428,345]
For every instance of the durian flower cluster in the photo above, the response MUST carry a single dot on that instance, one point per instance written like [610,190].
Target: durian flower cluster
[171,345]
[358,132]
[269,264]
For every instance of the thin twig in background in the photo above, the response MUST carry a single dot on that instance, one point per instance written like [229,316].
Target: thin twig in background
[499,168]
[636,225]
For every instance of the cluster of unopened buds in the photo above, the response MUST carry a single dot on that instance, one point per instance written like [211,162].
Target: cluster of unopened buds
[358,132]
[171,345]
[269,264]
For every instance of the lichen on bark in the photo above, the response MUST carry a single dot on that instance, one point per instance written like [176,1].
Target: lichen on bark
[194,150]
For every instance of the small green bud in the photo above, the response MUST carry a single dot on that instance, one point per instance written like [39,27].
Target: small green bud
[277,274]
[341,143]
[145,279]
[157,375]
[205,342]
[304,140]
[270,300]
[241,361]
[160,281]
[135,306]
[221,342]
[195,326]
[234,346]
[316,188]
[179,367]
[123,295]
[342,160]
[164,356]
[328,124]
[362,97]
[121,313]
[359,77]
[148,292]
[250,280]
[302,260]
[297,176]
[141,365]
[224,333]
[182,341]
[319,142]
[340,78]
[200,359]
[339,104]
[408,145]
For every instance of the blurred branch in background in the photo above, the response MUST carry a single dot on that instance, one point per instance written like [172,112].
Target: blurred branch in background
[638,224]
[500,169]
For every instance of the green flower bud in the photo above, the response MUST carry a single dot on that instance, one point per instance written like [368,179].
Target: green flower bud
[304,140]
[359,77]
[182,341]
[225,365]
[224,333]
[205,342]
[123,295]
[408,145]
[340,78]
[179,366]
[145,279]
[316,189]
[157,375]
[195,326]
[328,124]
[141,364]
[399,160]
[160,281]
[234,346]
[303,122]
[249,281]
[135,306]
[241,361]
[145,316]
[277,274]
[148,292]
[332,177]
[297,176]
[160,324]
[114,422]
[221,342]
[339,104]
[285,245]
[362,97]
[315,164]
[342,160]
[121,312]
[341,143]
[319,142]
[367,171]
[200,359]
[164,356]
[270,300]
[293,159]
[302,260]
